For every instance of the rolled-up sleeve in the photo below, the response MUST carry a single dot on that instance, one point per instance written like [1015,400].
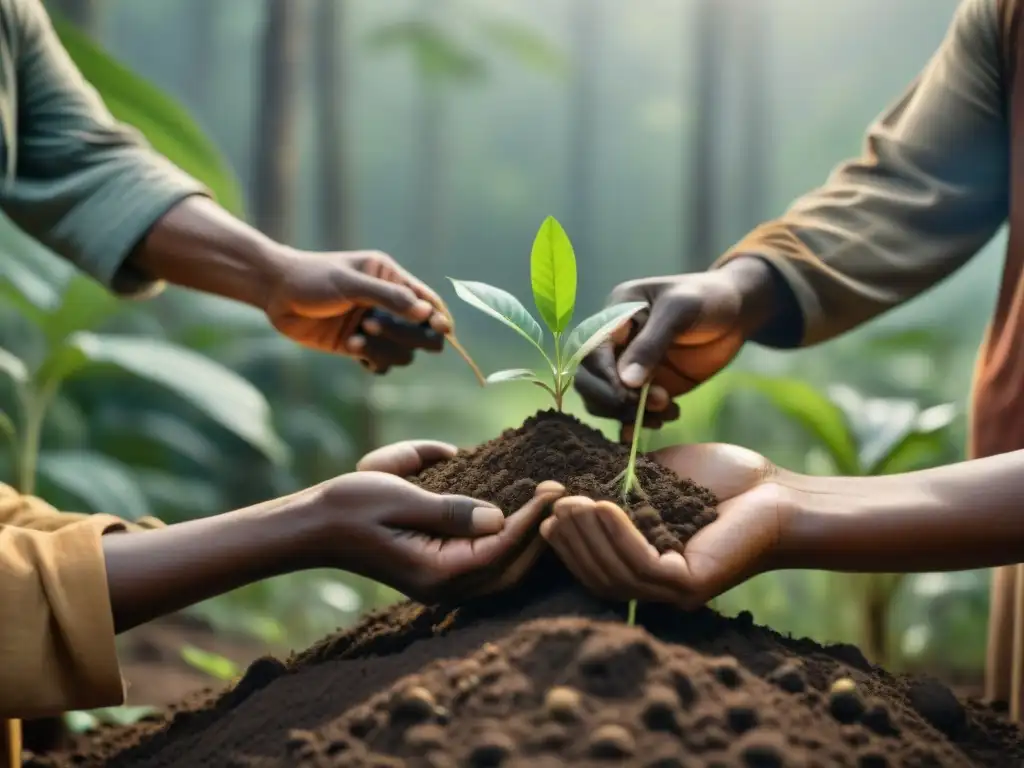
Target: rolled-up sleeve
[930,189]
[85,186]
[33,513]
[57,642]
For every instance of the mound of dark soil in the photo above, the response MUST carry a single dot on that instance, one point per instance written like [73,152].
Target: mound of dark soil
[547,675]
[556,446]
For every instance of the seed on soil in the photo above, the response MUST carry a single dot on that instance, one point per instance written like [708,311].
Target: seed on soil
[563,703]
[846,705]
[611,742]
[842,685]
[788,678]
[413,705]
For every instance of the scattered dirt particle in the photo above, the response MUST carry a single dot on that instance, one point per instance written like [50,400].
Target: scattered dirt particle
[563,703]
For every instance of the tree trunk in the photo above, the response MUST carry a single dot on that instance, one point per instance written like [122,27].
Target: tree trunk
[755,120]
[586,24]
[431,197]
[275,161]
[335,203]
[84,14]
[702,199]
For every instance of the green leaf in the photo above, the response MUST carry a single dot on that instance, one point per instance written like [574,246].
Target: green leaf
[502,306]
[815,413]
[167,126]
[588,335]
[218,392]
[553,275]
[124,715]
[528,46]
[513,374]
[878,424]
[103,484]
[14,367]
[437,54]
[212,664]
[84,306]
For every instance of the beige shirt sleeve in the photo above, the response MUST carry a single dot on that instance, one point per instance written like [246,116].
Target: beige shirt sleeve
[57,644]
[35,514]
[929,190]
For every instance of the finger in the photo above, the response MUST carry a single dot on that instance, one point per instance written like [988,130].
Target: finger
[385,354]
[564,539]
[637,363]
[574,514]
[406,458]
[465,556]
[664,578]
[392,297]
[614,574]
[448,515]
[377,324]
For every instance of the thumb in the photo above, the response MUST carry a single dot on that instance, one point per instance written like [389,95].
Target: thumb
[448,515]
[392,297]
[652,342]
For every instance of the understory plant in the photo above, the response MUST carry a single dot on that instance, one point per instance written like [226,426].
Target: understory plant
[553,281]
[630,483]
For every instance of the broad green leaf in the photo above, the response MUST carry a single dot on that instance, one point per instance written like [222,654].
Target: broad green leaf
[553,275]
[437,54]
[878,424]
[815,413]
[513,374]
[212,664]
[918,450]
[103,484]
[502,306]
[13,366]
[526,45]
[589,334]
[83,307]
[218,392]
[167,126]
[124,715]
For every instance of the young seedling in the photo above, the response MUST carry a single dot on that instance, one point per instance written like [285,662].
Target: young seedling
[630,483]
[553,280]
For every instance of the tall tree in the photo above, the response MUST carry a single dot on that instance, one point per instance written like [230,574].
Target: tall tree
[275,150]
[701,198]
[587,22]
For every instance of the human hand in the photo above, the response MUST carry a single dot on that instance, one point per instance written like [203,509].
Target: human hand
[605,551]
[696,325]
[362,304]
[429,546]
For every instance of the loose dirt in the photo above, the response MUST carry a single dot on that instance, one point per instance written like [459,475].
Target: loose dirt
[547,675]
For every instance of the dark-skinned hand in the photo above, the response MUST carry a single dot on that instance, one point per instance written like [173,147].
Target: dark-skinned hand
[429,546]
[691,331]
[607,554]
[362,304]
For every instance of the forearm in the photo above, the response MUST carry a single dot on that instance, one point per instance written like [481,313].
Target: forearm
[962,516]
[199,245]
[153,573]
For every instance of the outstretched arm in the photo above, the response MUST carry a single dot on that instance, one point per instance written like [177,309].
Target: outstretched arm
[928,191]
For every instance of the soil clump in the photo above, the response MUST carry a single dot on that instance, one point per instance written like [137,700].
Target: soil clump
[548,675]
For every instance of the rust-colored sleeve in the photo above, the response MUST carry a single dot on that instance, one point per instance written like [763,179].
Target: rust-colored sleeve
[57,642]
[35,514]
[929,190]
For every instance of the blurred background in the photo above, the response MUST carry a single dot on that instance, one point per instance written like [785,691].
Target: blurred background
[443,132]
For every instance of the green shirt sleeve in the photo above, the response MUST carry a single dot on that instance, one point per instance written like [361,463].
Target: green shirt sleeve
[928,191]
[85,186]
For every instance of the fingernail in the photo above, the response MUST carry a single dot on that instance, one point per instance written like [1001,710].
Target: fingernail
[487,520]
[355,343]
[548,487]
[674,562]
[372,327]
[633,375]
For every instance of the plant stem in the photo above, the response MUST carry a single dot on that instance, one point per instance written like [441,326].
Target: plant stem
[34,406]
[457,346]
[559,390]
[629,479]
[631,616]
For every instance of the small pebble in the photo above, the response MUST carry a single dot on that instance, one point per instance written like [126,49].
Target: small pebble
[611,742]
[563,703]
[660,710]
[842,685]
[416,703]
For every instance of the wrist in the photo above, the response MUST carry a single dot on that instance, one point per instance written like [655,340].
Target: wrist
[769,312]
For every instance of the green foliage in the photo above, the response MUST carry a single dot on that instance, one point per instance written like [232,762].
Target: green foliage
[211,664]
[553,278]
[166,125]
[82,721]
